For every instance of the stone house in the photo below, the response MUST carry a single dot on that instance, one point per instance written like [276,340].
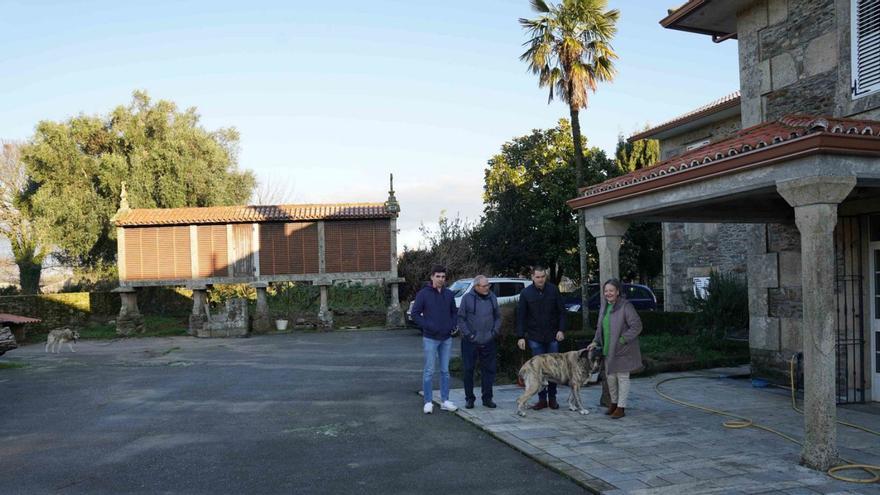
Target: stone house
[795,185]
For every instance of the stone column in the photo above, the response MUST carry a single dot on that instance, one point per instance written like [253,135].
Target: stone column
[325,316]
[130,321]
[394,317]
[199,316]
[608,234]
[262,318]
[815,201]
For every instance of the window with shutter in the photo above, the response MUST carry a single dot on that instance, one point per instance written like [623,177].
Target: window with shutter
[865,41]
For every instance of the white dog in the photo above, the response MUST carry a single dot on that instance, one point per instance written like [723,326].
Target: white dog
[58,337]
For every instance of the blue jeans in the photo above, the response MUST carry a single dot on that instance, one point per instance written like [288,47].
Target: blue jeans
[542,348]
[432,349]
[470,351]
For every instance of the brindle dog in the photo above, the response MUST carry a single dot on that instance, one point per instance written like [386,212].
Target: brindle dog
[575,369]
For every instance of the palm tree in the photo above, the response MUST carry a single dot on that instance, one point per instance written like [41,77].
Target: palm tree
[570,52]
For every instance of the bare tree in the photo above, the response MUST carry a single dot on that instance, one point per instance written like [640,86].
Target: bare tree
[273,192]
[16,221]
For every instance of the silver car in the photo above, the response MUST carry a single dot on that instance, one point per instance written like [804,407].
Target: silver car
[507,290]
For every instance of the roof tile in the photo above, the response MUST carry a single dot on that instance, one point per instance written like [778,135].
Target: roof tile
[752,139]
[250,214]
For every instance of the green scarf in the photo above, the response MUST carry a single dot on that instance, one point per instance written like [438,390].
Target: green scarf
[606,330]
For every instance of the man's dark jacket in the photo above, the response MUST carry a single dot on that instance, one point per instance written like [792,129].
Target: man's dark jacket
[434,312]
[540,313]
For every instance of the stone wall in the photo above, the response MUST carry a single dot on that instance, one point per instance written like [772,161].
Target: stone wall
[696,249]
[775,303]
[717,131]
[794,57]
[75,308]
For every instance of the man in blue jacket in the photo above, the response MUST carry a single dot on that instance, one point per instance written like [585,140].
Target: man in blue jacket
[540,320]
[435,313]
[479,320]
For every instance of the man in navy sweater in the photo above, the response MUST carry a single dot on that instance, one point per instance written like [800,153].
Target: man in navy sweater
[435,313]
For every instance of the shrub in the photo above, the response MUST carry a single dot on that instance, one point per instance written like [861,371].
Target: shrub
[726,309]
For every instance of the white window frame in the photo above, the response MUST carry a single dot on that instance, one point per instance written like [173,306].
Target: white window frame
[697,144]
[854,55]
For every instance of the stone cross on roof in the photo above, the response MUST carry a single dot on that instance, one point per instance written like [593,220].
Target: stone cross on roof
[392,205]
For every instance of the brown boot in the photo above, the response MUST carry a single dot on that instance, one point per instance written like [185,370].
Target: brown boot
[553,403]
[618,413]
[611,409]
[541,404]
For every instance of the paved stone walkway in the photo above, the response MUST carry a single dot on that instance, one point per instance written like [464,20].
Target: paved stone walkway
[664,448]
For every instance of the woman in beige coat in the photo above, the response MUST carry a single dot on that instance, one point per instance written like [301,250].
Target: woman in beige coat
[619,326]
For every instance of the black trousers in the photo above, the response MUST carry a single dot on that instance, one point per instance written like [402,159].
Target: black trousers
[487,355]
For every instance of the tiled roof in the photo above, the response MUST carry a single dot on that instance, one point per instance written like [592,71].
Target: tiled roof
[250,214]
[729,101]
[8,318]
[757,145]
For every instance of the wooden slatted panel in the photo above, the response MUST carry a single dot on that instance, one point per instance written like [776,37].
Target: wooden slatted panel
[182,254]
[149,253]
[333,246]
[244,259]
[350,252]
[271,236]
[294,251]
[366,248]
[165,252]
[132,254]
[308,242]
[212,251]
[382,245]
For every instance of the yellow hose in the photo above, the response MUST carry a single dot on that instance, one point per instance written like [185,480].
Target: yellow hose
[743,422]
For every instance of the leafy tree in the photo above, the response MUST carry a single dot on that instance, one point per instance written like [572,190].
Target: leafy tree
[166,158]
[570,52]
[526,220]
[641,252]
[630,156]
[451,245]
[16,219]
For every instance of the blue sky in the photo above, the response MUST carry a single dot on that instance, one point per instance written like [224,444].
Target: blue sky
[331,97]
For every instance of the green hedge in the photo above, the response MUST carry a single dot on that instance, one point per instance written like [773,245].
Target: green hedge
[666,338]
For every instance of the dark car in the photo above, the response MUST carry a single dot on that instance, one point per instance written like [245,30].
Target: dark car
[641,297]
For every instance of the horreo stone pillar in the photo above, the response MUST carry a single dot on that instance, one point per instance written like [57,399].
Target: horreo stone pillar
[130,321]
[815,201]
[608,234]
[325,316]
[199,315]
[394,316]
[262,319]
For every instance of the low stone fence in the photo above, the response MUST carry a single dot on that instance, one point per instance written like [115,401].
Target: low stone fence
[76,308]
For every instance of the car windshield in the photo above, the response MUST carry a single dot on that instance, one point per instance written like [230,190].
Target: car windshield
[459,287]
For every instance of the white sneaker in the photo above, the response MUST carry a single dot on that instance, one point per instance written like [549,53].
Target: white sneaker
[429,408]
[448,405]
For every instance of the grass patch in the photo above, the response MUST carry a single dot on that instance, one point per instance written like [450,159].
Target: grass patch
[12,365]
[154,326]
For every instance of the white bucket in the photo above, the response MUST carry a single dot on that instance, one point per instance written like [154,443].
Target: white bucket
[281,324]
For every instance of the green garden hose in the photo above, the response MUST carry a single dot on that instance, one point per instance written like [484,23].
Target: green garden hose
[743,422]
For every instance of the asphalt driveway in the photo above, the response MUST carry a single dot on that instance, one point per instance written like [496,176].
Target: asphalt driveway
[296,413]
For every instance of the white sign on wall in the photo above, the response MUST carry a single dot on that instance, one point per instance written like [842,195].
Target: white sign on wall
[701,287]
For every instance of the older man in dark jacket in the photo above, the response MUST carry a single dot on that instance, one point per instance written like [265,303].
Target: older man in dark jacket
[540,320]
[479,321]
